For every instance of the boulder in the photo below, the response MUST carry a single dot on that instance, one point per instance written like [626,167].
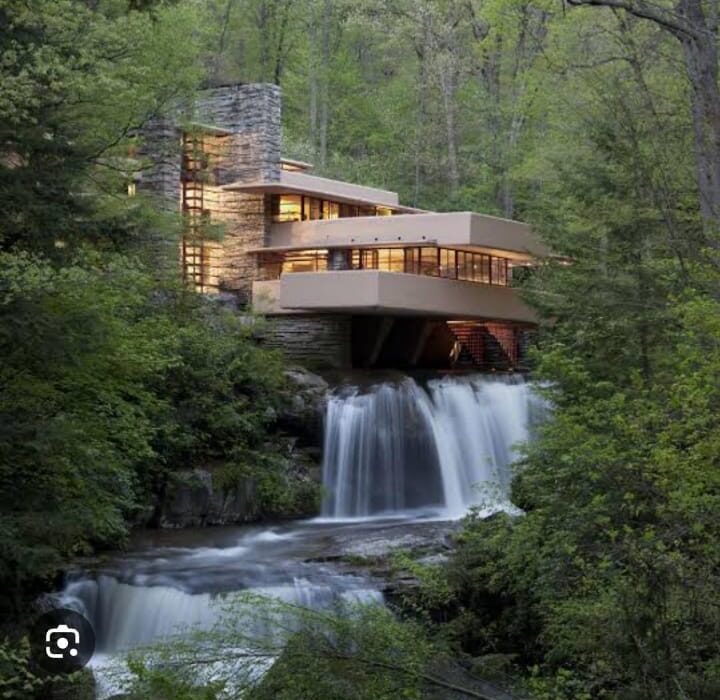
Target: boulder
[305,404]
[192,501]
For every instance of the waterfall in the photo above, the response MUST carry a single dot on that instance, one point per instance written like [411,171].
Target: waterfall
[125,616]
[130,616]
[402,447]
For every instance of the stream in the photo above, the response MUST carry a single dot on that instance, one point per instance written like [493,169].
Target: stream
[402,462]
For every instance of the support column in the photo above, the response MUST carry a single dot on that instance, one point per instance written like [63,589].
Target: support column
[386,326]
[425,333]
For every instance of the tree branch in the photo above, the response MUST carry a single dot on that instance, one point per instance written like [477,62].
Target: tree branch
[670,21]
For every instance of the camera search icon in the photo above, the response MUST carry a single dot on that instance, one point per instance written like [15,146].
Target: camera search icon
[62,641]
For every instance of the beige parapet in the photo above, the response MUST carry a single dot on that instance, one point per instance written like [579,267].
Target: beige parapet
[379,292]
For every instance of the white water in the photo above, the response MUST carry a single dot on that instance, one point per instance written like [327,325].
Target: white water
[127,616]
[163,592]
[446,447]
[400,450]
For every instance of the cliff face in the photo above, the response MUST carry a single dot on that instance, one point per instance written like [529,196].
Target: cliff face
[205,496]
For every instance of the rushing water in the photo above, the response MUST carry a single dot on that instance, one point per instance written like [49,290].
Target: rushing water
[160,589]
[402,447]
[399,450]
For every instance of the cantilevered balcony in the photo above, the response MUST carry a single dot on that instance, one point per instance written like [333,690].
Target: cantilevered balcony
[458,229]
[391,293]
[298,182]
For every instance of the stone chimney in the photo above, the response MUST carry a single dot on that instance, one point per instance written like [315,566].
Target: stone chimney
[241,131]
[251,115]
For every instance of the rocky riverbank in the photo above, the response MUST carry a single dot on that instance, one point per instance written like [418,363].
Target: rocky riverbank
[204,496]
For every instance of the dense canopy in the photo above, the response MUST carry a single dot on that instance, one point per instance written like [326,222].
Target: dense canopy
[597,122]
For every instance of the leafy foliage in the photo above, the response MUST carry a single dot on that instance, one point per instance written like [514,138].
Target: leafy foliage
[19,680]
[112,378]
[108,385]
[76,85]
[113,375]
[266,648]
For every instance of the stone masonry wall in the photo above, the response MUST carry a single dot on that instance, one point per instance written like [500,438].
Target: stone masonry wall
[246,227]
[161,149]
[251,151]
[312,340]
[252,114]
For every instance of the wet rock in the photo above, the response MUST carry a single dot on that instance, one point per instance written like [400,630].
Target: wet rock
[404,537]
[192,500]
[306,380]
[437,559]
[305,464]
[304,408]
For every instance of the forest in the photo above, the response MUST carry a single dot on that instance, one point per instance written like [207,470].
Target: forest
[595,121]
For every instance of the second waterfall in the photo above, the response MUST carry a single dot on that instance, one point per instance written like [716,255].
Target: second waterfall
[402,447]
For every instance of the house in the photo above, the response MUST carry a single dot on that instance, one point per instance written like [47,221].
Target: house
[348,276]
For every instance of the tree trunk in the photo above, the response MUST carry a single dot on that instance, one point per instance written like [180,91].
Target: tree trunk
[701,62]
[313,91]
[264,30]
[448,86]
[326,19]
[697,31]
[287,8]
[421,49]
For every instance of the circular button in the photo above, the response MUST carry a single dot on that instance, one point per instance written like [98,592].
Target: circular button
[61,641]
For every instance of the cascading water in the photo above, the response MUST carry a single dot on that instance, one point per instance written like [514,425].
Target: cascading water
[161,593]
[401,447]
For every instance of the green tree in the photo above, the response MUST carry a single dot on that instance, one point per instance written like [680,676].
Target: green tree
[76,85]
[113,376]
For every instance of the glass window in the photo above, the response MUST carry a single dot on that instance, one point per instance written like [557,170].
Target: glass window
[428,261]
[314,208]
[397,260]
[270,265]
[482,269]
[384,259]
[347,210]
[331,210]
[305,261]
[499,271]
[447,263]
[412,260]
[436,262]
[369,259]
[285,207]
[295,207]
[465,270]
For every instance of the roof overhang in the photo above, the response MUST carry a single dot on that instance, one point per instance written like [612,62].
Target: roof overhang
[462,230]
[390,293]
[209,128]
[298,182]
[296,164]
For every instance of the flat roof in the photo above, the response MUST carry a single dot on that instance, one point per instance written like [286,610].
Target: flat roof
[398,293]
[463,230]
[300,164]
[296,182]
[217,130]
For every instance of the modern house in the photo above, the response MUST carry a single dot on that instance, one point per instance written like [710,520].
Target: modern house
[348,276]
